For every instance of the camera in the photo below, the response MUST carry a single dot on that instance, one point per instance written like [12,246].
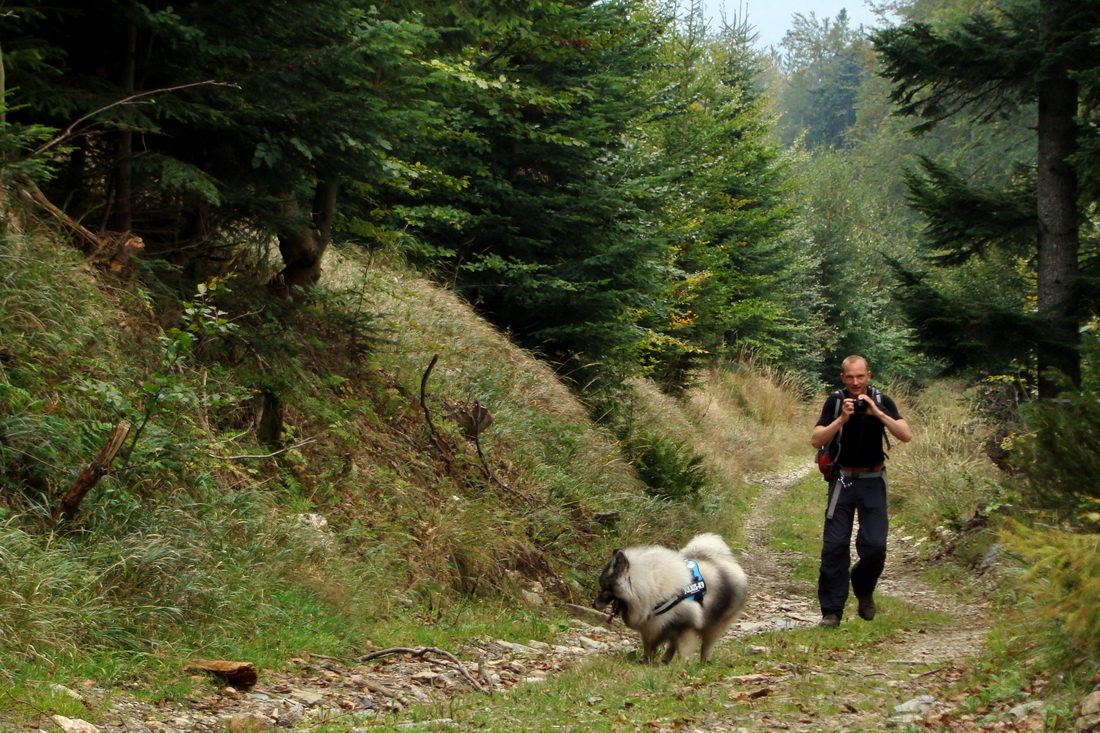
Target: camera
[859,405]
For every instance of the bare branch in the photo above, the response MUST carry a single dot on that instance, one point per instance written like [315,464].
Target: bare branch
[299,444]
[422,653]
[69,131]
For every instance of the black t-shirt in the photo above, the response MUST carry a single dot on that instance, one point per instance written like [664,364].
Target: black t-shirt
[861,438]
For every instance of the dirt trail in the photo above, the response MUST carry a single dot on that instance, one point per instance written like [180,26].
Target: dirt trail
[918,661]
[774,595]
[322,689]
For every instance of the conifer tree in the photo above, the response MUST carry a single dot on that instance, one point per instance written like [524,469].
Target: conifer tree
[1027,52]
[544,231]
[732,277]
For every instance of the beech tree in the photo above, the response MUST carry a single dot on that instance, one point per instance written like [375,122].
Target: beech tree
[1028,52]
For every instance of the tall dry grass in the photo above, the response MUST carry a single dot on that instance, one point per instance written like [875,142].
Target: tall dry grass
[942,475]
[751,416]
[192,530]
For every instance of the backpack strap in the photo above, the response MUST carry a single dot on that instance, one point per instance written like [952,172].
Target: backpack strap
[839,394]
[876,395]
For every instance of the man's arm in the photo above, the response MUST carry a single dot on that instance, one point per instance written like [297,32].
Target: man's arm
[896,425]
[898,428]
[824,433]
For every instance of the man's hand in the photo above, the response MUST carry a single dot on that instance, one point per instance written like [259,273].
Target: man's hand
[898,428]
[870,406]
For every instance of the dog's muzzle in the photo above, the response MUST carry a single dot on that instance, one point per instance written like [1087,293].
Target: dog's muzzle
[606,599]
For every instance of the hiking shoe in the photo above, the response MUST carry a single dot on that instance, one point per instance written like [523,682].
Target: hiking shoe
[830,620]
[866,608]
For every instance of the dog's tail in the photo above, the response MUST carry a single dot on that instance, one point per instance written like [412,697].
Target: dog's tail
[706,547]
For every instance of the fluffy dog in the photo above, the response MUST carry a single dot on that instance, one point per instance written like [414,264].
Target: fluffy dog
[657,592]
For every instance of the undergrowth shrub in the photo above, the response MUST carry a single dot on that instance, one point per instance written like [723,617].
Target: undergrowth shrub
[191,575]
[670,469]
[1060,453]
[1058,592]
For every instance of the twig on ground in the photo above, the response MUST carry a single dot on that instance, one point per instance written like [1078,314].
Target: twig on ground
[299,444]
[931,671]
[450,663]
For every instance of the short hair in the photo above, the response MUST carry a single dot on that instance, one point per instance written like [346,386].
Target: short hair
[848,361]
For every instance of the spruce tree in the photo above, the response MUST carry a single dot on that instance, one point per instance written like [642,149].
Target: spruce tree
[1027,52]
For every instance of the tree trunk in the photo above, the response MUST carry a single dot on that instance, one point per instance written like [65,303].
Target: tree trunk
[123,218]
[301,248]
[324,208]
[301,245]
[1058,235]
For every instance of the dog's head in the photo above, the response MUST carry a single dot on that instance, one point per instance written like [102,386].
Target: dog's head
[613,574]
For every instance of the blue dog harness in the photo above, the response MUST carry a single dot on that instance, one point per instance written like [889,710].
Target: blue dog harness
[695,590]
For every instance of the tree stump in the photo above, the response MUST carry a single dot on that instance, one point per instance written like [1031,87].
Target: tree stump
[91,474]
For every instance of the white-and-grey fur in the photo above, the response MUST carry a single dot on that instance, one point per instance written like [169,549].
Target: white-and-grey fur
[638,579]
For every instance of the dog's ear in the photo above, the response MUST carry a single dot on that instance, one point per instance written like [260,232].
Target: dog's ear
[619,562]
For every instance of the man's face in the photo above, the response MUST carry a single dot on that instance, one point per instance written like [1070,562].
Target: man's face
[855,377]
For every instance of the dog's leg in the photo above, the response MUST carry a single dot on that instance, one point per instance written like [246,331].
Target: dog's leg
[711,635]
[683,643]
[649,649]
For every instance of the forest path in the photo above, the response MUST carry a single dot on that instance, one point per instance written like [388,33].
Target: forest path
[351,695]
[919,661]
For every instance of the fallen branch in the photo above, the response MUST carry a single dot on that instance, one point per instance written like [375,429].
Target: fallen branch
[299,444]
[492,476]
[450,663]
[930,672]
[31,193]
[91,474]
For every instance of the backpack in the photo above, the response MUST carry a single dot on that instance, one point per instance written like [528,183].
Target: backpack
[827,454]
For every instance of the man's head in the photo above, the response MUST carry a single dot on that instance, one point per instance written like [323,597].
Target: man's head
[855,374]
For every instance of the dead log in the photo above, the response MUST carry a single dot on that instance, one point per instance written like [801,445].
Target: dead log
[93,243]
[236,674]
[70,502]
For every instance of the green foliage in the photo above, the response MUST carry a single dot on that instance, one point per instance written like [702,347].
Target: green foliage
[545,234]
[986,68]
[966,221]
[1059,589]
[973,320]
[853,225]
[733,279]
[825,63]
[670,469]
[1060,453]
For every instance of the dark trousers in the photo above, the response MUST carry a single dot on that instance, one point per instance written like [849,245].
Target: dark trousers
[864,498]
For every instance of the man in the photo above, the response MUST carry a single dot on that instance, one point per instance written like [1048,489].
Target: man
[858,486]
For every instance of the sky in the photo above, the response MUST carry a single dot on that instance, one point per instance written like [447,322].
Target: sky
[772,18]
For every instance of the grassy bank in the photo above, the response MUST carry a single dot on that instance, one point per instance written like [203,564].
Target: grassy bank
[249,413]
[301,476]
